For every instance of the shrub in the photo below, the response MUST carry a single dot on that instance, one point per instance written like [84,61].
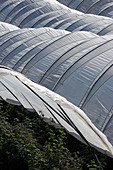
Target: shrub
[27,142]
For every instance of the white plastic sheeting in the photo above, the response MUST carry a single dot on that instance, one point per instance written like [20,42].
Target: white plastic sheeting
[17,89]
[50,13]
[98,7]
[76,65]
[7,27]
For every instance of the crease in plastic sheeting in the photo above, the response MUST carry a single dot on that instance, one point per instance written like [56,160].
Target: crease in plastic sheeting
[7,27]
[101,138]
[6,95]
[49,7]
[6,81]
[58,99]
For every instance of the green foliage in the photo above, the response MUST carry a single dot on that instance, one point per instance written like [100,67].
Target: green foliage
[29,143]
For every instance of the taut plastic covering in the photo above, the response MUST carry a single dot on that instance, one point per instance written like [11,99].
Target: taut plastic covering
[75,62]
[98,7]
[45,13]
[76,65]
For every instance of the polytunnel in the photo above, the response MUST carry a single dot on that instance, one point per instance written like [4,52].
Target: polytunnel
[7,27]
[76,65]
[17,89]
[60,49]
[98,7]
[46,13]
